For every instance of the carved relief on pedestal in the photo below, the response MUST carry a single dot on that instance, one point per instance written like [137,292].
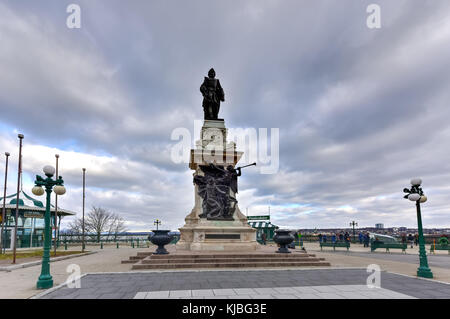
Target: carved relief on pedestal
[199,237]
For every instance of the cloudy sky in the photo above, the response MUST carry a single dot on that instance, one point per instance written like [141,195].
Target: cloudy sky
[360,111]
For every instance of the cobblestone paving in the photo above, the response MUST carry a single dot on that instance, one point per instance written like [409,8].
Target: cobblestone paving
[128,285]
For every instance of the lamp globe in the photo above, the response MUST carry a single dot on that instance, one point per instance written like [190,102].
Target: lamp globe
[49,170]
[414,197]
[59,190]
[37,190]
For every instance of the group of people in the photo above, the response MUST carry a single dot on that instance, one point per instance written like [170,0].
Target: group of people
[335,237]
[412,239]
[364,238]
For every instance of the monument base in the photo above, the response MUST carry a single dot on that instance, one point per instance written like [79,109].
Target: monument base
[217,235]
[217,238]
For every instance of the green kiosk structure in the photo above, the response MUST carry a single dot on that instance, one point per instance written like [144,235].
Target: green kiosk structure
[262,225]
[30,226]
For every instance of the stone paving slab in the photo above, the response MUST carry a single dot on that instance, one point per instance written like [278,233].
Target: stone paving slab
[312,283]
[358,292]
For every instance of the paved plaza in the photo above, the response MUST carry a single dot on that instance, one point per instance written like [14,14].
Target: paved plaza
[104,276]
[261,284]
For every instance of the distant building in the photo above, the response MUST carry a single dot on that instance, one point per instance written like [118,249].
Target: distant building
[379,226]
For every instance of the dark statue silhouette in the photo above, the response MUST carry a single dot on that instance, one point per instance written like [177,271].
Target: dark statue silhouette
[212,95]
[214,188]
[218,188]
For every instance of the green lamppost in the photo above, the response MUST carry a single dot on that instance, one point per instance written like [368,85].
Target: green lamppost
[157,222]
[45,279]
[353,224]
[415,194]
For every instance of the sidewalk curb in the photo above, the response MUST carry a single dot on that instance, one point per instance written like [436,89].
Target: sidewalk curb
[421,278]
[38,262]
[50,290]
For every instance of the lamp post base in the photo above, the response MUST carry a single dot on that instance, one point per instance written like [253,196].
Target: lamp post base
[424,272]
[44,282]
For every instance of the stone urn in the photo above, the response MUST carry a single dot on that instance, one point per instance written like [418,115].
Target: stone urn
[283,237]
[161,238]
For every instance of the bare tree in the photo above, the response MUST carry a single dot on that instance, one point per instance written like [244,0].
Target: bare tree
[116,226]
[97,222]
[75,228]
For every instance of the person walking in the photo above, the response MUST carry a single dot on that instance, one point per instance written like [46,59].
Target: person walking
[404,238]
[324,238]
[333,238]
[411,240]
[416,239]
[360,237]
[263,237]
[347,237]
[320,238]
[366,240]
[341,236]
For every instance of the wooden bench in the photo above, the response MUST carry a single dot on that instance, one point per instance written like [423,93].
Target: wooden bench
[388,246]
[439,247]
[334,245]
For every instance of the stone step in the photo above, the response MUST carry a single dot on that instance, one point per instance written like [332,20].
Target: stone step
[239,257]
[140,265]
[151,260]
[263,255]
[133,259]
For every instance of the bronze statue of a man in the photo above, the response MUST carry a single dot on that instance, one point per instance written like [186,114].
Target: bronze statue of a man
[212,95]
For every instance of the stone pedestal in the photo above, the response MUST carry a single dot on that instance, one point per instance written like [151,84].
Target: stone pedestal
[217,235]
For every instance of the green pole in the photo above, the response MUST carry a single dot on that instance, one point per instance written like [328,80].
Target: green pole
[423,270]
[117,245]
[101,245]
[45,279]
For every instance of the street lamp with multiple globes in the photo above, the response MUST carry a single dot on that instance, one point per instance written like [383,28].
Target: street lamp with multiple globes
[45,279]
[415,194]
[354,224]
